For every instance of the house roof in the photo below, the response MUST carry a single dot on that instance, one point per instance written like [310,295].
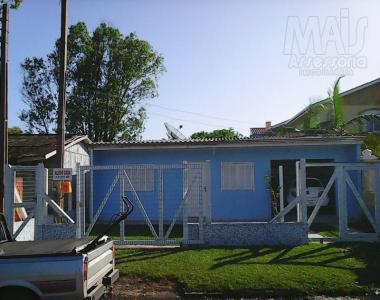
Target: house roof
[258,130]
[348,92]
[221,142]
[24,148]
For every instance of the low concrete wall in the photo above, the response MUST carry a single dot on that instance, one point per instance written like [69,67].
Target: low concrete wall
[45,232]
[55,231]
[251,234]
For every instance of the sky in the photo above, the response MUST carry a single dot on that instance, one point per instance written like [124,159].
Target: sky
[235,63]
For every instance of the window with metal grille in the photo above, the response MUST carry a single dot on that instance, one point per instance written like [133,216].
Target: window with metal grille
[372,123]
[142,179]
[237,176]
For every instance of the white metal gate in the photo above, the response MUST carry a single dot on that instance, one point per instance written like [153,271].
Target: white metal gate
[201,170]
[347,178]
[26,201]
[163,196]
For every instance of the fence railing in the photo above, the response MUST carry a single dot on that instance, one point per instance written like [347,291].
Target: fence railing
[164,195]
[27,198]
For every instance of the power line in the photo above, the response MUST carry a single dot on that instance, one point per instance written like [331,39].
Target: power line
[192,121]
[202,115]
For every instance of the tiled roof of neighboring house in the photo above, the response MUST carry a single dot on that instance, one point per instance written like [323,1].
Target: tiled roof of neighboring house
[25,148]
[221,142]
[258,130]
[348,92]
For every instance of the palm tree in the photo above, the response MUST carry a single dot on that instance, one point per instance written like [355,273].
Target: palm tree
[315,108]
[336,100]
[333,102]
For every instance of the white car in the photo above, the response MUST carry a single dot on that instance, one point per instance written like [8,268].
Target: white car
[314,190]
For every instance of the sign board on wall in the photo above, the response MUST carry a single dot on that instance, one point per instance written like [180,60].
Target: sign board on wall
[62,174]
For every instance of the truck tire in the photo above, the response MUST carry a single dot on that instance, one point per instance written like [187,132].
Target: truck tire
[12,293]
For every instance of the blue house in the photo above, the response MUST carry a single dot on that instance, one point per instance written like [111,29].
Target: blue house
[235,173]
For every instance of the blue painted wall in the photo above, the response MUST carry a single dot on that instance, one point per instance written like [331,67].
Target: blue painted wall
[225,205]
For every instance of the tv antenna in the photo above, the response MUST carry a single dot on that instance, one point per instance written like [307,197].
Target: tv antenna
[174,133]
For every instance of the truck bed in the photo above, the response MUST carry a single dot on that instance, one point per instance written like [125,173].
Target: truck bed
[56,269]
[42,248]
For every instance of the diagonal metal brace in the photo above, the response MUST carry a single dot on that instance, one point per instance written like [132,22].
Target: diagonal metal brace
[24,223]
[178,211]
[58,209]
[287,209]
[320,199]
[102,204]
[141,207]
[360,200]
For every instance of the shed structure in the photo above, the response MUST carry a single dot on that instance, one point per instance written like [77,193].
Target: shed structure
[32,149]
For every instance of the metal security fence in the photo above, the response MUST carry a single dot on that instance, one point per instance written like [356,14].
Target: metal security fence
[28,204]
[352,195]
[166,198]
[20,197]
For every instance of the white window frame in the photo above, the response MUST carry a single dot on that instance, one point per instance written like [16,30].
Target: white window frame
[234,182]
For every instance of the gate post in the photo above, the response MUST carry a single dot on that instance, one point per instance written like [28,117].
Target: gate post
[298,190]
[201,211]
[303,204]
[83,201]
[342,202]
[9,197]
[185,186]
[206,178]
[40,190]
[91,198]
[301,190]
[377,201]
[78,202]
[46,191]
[281,185]
[161,204]
[122,206]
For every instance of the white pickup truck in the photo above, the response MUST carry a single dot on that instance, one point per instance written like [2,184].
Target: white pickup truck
[57,269]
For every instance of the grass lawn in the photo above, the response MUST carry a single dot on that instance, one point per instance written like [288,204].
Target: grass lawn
[313,269]
[325,230]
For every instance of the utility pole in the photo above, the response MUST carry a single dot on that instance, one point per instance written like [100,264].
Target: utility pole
[62,95]
[62,86]
[4,99]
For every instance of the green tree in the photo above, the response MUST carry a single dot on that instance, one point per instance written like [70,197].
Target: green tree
[39,91]
[13,4]
[229,133]
[314,109]
[312,123]
[15,130]
[109,78]
[336,101]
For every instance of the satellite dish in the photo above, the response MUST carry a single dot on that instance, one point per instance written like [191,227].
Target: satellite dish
[173,133]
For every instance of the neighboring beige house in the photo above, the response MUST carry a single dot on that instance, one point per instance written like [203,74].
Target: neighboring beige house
[359,101]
